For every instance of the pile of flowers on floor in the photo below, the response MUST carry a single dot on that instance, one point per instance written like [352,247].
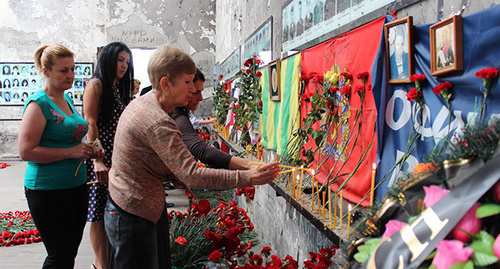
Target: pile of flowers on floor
[225,235]
[18,228]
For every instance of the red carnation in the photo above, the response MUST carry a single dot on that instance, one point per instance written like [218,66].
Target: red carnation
[260,103]
[417,77]
[215,256]
[248,62]
[487,73]
[256,259]
[346,90]
[265,251]
[220,77]
[249,71]
[412,94]
[257,61]
[441,87]
[346,75]
[358,88]
[203,207]
[259,74]
[363,75]
[9,224]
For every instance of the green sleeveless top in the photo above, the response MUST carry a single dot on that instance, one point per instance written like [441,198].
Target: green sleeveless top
[61,131]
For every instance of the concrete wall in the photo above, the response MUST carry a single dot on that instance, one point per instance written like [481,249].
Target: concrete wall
[278,224]
[83,26]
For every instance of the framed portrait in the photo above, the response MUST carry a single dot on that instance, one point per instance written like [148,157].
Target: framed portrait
[446,46]
[274,80]
[399,50]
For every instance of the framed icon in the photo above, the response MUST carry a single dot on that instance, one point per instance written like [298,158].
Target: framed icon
[274,80]
[446,46]
[399,50]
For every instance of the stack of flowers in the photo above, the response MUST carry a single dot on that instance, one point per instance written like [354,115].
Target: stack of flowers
[222,100]
[204,232]
[248,191]
[18,228]
[320,260]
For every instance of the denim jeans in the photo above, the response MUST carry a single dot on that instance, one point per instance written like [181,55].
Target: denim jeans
[133,238]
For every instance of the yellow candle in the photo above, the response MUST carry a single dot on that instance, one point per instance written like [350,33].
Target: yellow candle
[293,182]
[324,204]
[372,188]
[301,180]
[317,195]
[349,221]
[312,197]
[298,188]
[335,213]
[330,205]
[341,200]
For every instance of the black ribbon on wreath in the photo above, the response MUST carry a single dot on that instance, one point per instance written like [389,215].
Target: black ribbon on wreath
[412,245]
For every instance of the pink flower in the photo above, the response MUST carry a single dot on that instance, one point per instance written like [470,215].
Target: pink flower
[391,227]
[450,252]
[469,223]
[496,246]
[433,194]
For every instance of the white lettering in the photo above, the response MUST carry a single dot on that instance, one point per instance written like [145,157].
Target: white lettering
[405,111]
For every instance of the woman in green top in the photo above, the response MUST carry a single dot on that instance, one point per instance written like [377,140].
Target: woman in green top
[50,139]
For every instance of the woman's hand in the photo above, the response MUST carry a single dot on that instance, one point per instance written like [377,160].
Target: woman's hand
[82,151]
[264,174]
[101,171]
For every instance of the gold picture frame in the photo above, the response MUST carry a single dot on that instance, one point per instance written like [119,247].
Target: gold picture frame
[399,50]
[446,41]
[275,80]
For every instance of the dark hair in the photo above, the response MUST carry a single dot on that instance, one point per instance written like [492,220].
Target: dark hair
[198,76]
[106,73]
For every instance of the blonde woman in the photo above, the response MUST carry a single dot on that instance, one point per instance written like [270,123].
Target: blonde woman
[50,140]
[148,149]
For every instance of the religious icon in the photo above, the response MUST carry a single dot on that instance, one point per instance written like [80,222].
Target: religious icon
[446,46]
[274,81]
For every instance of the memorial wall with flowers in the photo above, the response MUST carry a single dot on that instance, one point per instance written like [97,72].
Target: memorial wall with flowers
[375,153]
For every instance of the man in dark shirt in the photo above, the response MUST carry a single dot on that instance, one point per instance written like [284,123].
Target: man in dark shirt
[200,150]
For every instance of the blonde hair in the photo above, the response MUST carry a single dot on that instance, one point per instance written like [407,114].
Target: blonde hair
[171,62]
[46,55]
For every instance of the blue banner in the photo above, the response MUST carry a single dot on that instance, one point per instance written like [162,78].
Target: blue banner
[397,118]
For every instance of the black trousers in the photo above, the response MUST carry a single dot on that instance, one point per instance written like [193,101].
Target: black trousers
[60,217]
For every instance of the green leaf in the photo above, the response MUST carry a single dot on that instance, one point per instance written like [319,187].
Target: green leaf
[365,250]
[315,97]
[487,210]
[463,265]
[483,249]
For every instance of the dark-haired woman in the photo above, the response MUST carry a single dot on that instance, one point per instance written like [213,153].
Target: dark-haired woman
[104,99]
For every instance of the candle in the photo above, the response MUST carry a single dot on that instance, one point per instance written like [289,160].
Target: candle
[312,197]
[293,182]
[341,200]
[372,188]
[335,213]
[324,204]
[348,221]
[301,180]
[299,185]
[330,205]
[317,194]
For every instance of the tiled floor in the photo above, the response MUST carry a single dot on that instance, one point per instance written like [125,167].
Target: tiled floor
[32,256]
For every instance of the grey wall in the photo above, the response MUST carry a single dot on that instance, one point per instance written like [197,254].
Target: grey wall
[83,26]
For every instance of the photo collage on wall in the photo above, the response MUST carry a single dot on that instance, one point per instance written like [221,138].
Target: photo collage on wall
[18,81]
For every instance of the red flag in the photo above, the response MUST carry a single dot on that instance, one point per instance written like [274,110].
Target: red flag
[352,52]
